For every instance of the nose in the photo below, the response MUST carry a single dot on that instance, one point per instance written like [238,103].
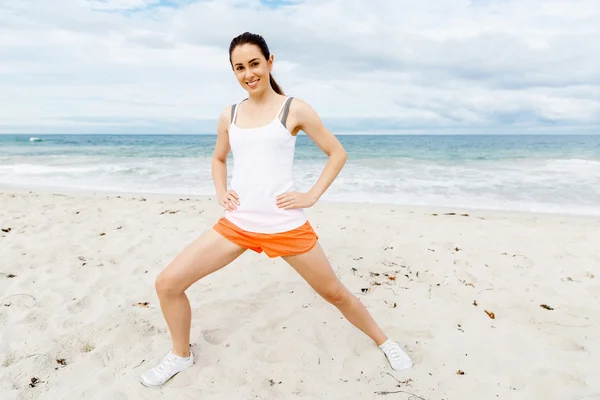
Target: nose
[249,75]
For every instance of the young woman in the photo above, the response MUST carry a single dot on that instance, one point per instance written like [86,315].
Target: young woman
[263,212]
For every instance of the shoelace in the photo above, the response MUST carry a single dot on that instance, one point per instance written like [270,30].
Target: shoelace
[166,362]
[394,353]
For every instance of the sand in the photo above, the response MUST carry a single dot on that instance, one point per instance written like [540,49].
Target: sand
[79,314]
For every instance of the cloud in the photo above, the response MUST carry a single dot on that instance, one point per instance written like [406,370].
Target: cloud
[441,66]
[121,5]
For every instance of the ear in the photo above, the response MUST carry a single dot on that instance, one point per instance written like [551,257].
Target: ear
[270,62]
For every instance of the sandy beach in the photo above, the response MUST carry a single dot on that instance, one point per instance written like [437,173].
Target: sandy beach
[490,305]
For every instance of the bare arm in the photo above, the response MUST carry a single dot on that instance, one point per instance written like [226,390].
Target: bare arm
[311,124]
[309,121]
[219,162]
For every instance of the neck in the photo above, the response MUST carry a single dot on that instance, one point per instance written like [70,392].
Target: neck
[264,97]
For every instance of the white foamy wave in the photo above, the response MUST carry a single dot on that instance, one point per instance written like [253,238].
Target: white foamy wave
[557,186]
[35,139]
[574,162]
[182,175]
[522,186]
[41,170]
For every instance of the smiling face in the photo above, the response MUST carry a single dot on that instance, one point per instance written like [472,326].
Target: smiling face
[251,68]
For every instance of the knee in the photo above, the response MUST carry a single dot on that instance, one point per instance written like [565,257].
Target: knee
[337,295]
[166,285]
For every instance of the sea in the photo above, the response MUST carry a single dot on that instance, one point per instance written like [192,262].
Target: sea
[532,173]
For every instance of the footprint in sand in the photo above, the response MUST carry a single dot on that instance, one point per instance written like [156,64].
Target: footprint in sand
[69,323]
[271,331]
[36,320]
[143,325]
[214,336]
[415,352]
[80,305]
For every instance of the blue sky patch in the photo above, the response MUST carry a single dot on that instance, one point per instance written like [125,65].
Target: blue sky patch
[278,3]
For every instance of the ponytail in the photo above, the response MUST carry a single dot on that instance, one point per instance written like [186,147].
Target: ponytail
[275,86]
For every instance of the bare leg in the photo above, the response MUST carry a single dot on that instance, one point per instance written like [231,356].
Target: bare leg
[314,267]
[207,254]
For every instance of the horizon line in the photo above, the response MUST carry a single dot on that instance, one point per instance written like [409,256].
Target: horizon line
[304,134]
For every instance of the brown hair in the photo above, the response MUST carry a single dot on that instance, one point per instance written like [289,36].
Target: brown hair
[257,40]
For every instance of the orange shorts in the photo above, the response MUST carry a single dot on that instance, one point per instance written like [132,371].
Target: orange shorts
[296,241]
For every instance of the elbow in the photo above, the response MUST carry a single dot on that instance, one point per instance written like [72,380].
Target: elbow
[217,164]
[216,160]
[338,158]
[342,155]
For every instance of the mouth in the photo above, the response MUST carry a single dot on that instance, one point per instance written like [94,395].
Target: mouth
[253,84]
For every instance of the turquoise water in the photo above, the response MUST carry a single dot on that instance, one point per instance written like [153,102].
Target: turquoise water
[528,173]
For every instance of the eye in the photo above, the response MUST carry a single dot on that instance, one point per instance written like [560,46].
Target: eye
[255,63]
[239,68]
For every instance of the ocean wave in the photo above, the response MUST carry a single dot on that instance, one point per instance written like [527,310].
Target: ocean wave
[40,169]
[542,174]
[570,185]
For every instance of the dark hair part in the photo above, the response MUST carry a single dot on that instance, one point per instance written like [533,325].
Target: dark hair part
[257,40]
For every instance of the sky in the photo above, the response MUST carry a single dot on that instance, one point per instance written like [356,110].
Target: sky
[376,66]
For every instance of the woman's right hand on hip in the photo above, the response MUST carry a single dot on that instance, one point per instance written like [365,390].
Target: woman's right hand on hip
[229,200]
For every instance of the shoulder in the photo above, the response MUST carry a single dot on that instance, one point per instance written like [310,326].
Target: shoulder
[303,116]
[226,114]
[301,110]
[224,119]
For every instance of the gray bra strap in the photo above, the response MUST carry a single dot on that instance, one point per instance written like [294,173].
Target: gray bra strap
[286,110]
[233,112]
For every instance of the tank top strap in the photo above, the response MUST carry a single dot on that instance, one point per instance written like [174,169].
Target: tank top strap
[282,107]
[234,110]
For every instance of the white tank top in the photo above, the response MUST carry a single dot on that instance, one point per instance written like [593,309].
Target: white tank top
[263,159]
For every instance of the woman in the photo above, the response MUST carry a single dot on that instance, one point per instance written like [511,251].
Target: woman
[263,212]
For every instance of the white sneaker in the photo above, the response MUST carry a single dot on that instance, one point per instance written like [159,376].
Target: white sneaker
[170,366]
[398,359]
